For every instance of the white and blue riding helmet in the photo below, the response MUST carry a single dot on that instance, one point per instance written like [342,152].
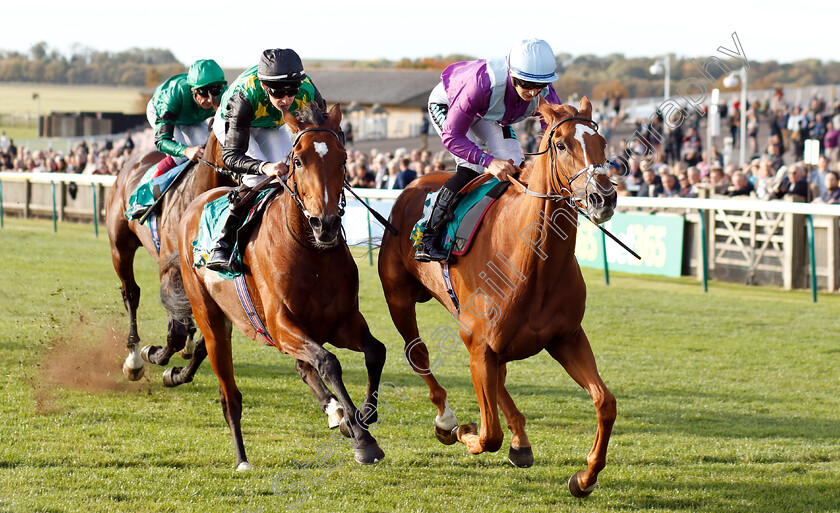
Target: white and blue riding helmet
[532,60]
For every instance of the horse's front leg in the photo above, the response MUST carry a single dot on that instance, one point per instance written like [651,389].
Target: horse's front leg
[326,399]
[484,368]
[294,341]
[180,326]
[356,335]
[575,354]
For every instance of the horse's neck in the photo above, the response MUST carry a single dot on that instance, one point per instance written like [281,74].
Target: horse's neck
[545,234]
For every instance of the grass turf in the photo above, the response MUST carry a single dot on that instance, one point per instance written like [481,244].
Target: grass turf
[727,401]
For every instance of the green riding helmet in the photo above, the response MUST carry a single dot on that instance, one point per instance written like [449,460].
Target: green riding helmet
[204,72]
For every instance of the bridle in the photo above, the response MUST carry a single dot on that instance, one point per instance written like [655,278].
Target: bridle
[564,192]
[295,194]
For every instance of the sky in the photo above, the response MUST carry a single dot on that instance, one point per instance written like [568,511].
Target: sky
[236,33]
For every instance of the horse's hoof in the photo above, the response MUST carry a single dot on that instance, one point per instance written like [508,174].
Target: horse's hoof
[244,467]
[133,374]
[185,356]
[470,428]
[522,457]
[169,377]
[344,428]
[370,454]
[447,436]
[145,353]
[577,491]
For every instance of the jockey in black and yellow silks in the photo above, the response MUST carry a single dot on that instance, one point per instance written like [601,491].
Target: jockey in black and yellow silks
[250,127]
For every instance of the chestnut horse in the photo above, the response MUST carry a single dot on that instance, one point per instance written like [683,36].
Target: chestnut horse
[127,236]
[303,282]
[520,287]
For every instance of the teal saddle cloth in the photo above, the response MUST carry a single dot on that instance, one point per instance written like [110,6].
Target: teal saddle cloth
[468,214]
[149,190]
[213,218]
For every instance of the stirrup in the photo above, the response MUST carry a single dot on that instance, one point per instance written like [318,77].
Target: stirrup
[219,260]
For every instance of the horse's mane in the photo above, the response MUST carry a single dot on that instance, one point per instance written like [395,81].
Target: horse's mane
[312,113]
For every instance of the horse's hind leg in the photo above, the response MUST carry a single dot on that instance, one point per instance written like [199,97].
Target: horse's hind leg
[520,453]
[124,245]
[175,376]
[217,329]
[328,402]
[575,354]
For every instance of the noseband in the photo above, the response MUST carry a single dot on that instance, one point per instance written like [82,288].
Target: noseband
[564,192]
[295,194]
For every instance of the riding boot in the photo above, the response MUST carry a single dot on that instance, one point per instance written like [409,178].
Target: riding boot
[429,249]
[167,163]
[222,253]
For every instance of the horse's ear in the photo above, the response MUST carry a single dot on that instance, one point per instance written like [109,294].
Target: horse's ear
[291,121]
[585,109]
[334,117]
[544,109]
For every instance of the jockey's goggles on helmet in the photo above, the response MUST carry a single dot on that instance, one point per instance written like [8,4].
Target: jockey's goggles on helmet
[530,86]
[210,90]
[282,90]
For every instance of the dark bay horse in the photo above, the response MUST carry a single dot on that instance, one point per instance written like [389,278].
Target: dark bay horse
[520,288]
[127,236]
[303,282]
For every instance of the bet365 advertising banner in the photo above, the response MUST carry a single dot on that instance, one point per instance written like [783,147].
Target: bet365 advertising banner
[658,239]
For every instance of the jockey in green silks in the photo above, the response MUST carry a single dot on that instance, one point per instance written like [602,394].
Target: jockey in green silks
[179,110]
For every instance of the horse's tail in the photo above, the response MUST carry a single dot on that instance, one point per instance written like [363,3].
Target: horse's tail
[172,293]
[370,244]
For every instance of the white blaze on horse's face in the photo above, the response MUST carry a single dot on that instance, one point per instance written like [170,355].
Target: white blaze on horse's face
[581,129]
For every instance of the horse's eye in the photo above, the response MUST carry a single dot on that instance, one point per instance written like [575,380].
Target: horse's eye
[297,162]
[560,146]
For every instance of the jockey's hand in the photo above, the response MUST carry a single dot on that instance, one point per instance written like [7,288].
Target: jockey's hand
[275,169]
[501,169]
[194,153]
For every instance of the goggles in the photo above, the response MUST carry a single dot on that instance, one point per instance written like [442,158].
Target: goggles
[211,90]
[530,86]
[281,91]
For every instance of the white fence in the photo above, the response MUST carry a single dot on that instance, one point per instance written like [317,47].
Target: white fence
[756,242]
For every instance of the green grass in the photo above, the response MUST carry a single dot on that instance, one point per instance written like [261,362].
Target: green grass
[727,401]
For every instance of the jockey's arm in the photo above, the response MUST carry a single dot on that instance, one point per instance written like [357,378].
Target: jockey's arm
[463,110]
[238,119]
[165,135]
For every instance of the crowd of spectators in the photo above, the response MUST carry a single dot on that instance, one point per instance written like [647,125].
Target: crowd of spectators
[95,158]
[676,163]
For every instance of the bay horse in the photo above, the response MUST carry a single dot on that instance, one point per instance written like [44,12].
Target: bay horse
[303,282]
[520,288]
[127,236]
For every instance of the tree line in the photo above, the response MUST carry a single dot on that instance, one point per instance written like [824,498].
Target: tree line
[594,75]
[134,67]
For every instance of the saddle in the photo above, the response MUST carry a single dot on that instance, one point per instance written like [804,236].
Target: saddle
[467,216]
[213,218]
[150,189]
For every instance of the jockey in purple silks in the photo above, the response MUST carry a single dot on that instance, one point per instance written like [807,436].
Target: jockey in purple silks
[475,104]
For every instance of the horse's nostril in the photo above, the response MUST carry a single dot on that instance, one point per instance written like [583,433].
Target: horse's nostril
[315,223]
